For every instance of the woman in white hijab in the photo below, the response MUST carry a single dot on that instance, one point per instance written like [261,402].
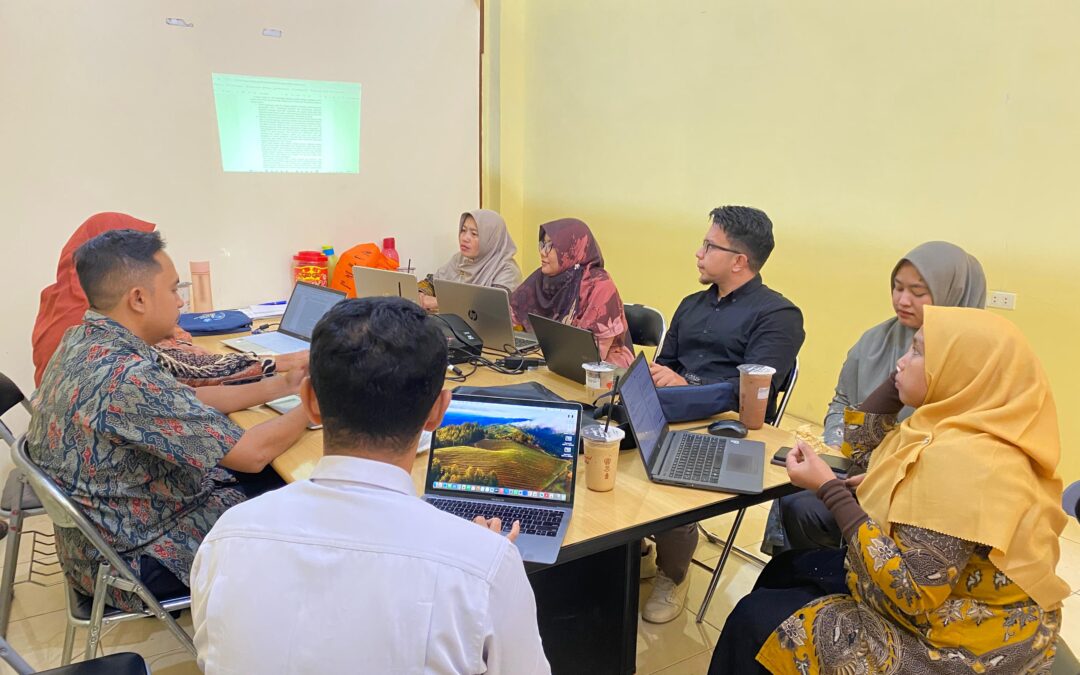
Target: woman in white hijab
[485,256]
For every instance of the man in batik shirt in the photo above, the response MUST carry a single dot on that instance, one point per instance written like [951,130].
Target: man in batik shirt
[138,451]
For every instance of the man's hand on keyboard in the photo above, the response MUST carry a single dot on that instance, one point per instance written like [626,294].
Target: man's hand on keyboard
[495,525]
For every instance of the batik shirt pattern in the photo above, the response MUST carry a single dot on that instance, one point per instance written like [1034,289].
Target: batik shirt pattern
[134,448]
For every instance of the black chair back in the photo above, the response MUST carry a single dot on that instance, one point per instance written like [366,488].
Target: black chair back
[10,394]
[646,325]
[783,394]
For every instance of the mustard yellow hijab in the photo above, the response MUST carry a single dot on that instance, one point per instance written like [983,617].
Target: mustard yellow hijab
[977,461]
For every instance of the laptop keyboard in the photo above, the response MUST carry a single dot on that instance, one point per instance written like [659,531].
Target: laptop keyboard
[543,522]
[522,343]
[698,458]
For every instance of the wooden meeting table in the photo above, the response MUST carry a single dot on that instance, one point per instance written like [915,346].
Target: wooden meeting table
[587,601]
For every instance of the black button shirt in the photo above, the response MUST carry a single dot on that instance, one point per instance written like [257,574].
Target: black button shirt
[711,336]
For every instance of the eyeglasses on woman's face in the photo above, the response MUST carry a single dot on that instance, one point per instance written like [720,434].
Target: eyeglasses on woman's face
[546,246]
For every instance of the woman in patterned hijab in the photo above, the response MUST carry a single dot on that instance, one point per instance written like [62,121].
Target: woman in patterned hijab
[573,287]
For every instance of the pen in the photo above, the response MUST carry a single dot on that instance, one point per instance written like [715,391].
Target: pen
[275,302]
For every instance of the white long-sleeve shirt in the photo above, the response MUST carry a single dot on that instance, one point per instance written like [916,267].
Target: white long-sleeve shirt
[350,572]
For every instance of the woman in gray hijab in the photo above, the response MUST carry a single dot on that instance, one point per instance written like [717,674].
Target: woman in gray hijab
[485,256]
[934,273]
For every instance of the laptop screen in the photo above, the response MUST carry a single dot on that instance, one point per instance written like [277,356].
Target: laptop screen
[643,408]
[507,448]
[306,306]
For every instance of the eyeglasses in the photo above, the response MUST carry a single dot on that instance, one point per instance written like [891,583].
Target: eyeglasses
[546,246]
[708,245]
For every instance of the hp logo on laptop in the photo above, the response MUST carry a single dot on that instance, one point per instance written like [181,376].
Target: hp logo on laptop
[473,315]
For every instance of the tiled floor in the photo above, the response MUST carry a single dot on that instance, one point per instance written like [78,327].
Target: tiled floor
[681,647]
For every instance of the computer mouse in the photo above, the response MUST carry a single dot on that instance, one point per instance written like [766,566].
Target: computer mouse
[728,428]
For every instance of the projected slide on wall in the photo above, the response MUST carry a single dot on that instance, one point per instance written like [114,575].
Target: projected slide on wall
[275,125]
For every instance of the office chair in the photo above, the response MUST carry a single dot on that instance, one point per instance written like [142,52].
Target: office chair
[124,663]
[647,326]
[92,613]
[784,394]
[17,502]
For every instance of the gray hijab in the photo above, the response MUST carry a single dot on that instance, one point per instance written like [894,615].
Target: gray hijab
[495,265]
[955,279]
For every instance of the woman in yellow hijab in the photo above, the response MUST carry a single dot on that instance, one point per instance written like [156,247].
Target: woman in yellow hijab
[953,541]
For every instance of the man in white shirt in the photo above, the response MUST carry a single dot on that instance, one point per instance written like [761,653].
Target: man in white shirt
[350,572]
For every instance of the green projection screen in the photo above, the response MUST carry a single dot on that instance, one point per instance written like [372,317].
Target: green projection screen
[275,125]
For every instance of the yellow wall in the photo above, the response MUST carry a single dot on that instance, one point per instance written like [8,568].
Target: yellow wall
[862,129]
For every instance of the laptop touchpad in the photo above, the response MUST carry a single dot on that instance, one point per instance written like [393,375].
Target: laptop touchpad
[739,463]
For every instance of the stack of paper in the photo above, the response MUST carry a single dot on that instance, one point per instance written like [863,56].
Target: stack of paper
[264,310]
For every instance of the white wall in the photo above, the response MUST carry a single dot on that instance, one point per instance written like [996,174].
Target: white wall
[106,108]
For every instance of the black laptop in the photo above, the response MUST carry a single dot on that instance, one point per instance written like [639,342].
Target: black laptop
[565,347]
[684,457]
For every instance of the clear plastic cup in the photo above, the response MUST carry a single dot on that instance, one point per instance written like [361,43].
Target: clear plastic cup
[601,456]
[599,377]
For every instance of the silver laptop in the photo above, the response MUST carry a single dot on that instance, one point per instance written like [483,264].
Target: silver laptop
[372,283]
[306,306]
[685,457]
[487,310]
[511,458]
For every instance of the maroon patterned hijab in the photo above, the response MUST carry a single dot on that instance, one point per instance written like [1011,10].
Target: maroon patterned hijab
[581,293]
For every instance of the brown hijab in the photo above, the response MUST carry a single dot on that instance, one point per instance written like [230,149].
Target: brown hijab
[581,293]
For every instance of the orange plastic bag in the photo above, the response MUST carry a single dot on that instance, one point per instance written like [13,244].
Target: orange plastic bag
[365,255]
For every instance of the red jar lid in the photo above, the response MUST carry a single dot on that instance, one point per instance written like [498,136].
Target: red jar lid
[310,257]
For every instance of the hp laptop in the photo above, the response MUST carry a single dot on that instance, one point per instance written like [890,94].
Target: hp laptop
[684,457]
[371,283]
[306,306]
[565,347]
[511,458]
[487,310]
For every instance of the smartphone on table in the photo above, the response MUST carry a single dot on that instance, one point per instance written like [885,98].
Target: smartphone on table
[839,465]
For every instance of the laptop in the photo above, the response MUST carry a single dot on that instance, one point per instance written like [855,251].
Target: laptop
[487,310]
[565,347]
[684,457]
[511,458]
[372,283]
[306,306]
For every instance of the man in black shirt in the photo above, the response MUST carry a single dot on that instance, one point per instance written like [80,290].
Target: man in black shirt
[736,320]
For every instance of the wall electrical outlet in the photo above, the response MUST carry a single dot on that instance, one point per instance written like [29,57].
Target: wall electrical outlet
[1001,300]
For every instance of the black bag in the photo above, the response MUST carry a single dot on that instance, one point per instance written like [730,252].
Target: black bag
[697,401]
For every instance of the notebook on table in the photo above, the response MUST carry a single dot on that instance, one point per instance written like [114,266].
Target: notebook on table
[515,459]
[686,458]
[306,306]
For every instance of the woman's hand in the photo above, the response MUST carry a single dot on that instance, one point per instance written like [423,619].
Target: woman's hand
[854,481]
[806,469]
[429,302]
